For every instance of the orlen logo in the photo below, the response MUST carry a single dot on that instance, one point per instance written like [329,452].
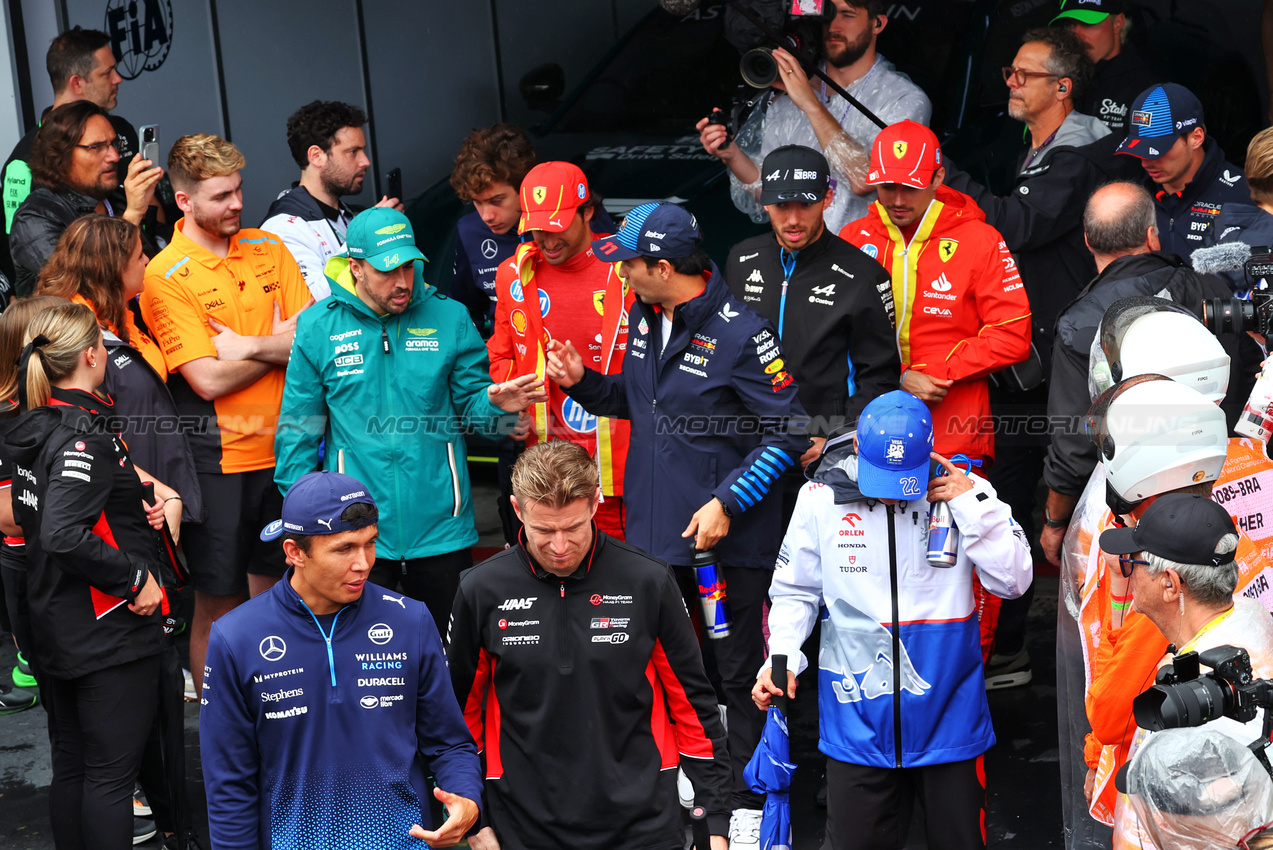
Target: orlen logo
[595,599]
[852,530]
[380,634]
[518,604]
[852,519]
[369,701]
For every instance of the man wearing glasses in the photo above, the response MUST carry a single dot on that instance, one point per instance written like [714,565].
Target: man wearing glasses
[74,168]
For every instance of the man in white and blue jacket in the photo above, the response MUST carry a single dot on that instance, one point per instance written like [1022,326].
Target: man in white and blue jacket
[901,693]
[324,706]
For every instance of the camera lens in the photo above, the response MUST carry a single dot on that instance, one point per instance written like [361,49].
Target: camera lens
[758,68]
[1227,315]
[1191,703]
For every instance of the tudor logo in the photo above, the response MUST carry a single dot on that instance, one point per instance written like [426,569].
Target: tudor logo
[273,648]
[380,634]
[369,701]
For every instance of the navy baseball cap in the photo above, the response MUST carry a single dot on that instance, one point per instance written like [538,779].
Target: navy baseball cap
[658,229]
[1158,116]
[1179,527]
[895,436]
[794,173]
[1089,11]
[313,505]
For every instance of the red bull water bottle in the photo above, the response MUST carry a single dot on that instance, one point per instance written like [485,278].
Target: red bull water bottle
[943,535]
[717,617]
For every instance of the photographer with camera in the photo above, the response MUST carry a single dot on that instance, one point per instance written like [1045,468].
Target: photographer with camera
[814,116]
[1179,560]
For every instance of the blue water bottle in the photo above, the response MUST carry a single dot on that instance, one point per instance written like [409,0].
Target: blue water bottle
[717,617]
[943,535]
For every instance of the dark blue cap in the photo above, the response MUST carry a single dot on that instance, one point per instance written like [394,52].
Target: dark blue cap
[658,230]
[313,505]
[1160,115]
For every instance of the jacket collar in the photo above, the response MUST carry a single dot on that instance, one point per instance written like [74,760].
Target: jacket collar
[585,566]
[1135,265]
[291,601]
[698,310]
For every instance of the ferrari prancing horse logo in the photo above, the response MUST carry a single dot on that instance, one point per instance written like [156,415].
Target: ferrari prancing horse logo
[539,193]
[899,149]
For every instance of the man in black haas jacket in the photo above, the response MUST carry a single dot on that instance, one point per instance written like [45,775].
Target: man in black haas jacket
[832,304]
[580,678]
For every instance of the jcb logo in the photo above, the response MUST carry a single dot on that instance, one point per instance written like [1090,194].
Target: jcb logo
[518,604]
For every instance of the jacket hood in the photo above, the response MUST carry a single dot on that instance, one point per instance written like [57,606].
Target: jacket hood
[299,202]
[342,286]
[1078,129]
[837,468]
[26,435]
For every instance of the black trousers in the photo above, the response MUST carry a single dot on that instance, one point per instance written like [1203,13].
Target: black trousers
[103,720]
[433,580]
[737,659]
[870,808]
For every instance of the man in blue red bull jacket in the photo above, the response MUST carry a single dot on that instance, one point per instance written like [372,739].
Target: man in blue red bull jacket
[902,697]
[324,707]
[713,409]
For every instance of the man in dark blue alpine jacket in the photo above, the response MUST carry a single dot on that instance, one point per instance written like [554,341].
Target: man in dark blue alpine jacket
[324,706]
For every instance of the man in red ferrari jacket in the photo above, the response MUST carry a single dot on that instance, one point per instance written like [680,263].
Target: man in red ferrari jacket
[962,312]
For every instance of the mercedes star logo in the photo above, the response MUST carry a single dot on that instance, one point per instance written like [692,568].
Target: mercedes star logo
[489,248]
[273,648]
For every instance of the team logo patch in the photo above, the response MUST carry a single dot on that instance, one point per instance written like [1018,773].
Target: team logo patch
[391,229]
[1141,118]
[896,452]
[539,193]
[518,320]
[599,301]
[272,648]
[422,331]
[946,248]
[899,149]
[642,327]
[79,446]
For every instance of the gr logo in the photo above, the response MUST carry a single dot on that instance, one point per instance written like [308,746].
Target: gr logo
[141,34]
[380,634]
[577,418]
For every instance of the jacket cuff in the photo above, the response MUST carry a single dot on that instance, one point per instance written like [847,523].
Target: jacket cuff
[729,499]
[138,576]
[718,823]
[1091,751]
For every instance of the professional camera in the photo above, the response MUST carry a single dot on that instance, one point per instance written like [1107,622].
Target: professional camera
[795,25]
[1234,315]
[1185,697]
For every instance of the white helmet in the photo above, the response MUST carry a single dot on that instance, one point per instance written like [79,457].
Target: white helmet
[1144,336]
[1155,435]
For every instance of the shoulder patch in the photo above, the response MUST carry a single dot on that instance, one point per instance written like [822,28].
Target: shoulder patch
[176,266]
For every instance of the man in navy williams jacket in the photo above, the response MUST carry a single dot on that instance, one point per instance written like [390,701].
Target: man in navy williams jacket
[324,706]
[712,406]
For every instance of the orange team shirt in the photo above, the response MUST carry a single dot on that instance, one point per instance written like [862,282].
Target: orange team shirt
[137,338]
[570,302]
[185,285]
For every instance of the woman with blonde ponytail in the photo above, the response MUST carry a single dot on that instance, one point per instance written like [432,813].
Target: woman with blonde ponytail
[92,584]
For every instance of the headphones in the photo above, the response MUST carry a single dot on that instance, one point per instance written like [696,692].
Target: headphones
[1062,88]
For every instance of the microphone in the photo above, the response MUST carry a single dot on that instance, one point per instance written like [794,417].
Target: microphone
[1226,256]
[680,8]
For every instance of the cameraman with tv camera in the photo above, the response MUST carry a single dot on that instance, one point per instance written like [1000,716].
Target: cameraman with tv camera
[811,114]
[1180,561]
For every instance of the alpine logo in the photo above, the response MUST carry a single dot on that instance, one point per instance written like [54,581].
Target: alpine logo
[942,284]
[825,291]
[755,277]
[518,604]
[774,176]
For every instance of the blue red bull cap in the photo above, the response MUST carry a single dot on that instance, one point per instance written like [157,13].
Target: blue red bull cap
[895,436]
[1158,117]
[313,505]
[659,230]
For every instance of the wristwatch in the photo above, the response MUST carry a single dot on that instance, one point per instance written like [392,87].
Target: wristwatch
[724,507]
[1055,523]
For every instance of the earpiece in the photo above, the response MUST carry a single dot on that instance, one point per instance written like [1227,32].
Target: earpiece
[1062,88]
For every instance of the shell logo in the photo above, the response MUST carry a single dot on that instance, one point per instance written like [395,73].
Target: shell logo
[518,320]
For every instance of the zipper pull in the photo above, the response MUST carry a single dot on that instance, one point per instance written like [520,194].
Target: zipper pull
[563,590]
[384,337]
[404,567]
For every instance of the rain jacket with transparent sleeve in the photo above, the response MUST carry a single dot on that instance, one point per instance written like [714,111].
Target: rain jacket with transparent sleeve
[777,121]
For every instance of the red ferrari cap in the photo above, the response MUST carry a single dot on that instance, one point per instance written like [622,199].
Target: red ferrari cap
[906,153]
[551,193]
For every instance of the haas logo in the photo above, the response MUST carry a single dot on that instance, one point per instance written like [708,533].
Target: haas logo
[518,604]
[852,520]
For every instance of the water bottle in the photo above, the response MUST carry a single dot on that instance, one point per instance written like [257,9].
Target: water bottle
[943,535]
[1256,420]
[717,617]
